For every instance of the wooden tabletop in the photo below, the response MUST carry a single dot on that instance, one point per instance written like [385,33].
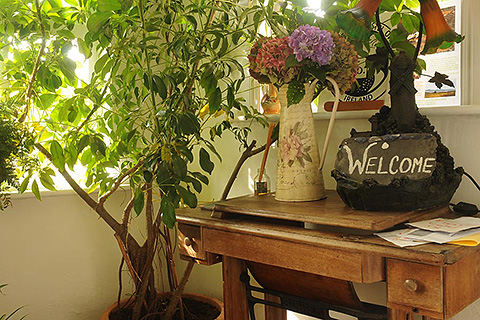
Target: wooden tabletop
[329,237]
[328,212]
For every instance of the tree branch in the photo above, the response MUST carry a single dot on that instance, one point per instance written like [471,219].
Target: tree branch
[382,35]
[249,152]
[127,260]
[177,294]
[28,95]
[119,182]
[149,218]
[419,42]
[96,106]
[213,13]
[127,211]
[99,209]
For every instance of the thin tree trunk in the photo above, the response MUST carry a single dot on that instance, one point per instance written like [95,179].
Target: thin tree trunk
[177,294]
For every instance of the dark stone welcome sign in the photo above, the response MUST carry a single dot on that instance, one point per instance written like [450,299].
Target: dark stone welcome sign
[388,157]
[393,172]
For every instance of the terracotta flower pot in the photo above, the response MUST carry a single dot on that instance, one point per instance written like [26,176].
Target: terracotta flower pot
[193,296]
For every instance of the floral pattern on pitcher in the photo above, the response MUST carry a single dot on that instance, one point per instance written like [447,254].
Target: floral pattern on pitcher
[294,148]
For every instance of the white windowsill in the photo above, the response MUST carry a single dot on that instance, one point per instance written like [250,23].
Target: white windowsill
[466,110]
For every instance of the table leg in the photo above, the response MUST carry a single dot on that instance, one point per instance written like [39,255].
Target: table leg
[234,292]
[272,313]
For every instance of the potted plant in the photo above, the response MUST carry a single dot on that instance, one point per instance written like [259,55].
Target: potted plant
[165,82]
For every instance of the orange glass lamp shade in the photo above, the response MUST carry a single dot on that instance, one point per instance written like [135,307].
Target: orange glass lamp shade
[439,33]
[356,21]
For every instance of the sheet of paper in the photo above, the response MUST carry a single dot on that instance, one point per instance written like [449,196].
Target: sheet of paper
[447,225]
[397,237]
[439,237]
[470,240]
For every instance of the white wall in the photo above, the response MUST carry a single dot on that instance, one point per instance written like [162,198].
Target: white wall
[58,259]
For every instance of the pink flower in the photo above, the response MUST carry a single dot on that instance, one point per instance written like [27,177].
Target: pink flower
[291,147]
[267,61]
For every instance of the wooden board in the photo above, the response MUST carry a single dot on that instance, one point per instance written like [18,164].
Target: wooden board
[329,212]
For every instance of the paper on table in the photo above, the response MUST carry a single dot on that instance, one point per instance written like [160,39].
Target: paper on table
[439,237]
[471,240]
[447,225]
[397,237]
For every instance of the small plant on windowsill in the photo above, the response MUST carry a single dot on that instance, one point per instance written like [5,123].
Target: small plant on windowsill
[166,83]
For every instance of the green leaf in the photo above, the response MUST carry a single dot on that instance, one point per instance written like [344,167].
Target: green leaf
[58,157]
[97,19]
[179,166]
[83,48]
[71,155]
[295,92]
[66,34]
[236,36]
[24,184]
[46,100]
[68,66]
[35,190]
[168,212]
[47,181]
[200,177]
[408,23]
[421,65]
[214,100]
[188,123]
[160,86]
[109,5]
[197,185]
[395,19]
[84,141]
[412,4]
[186,152]
[148,176]
[139,202]
[291,61]
[397,35]
[205,162]
[100,145]
[189,198]
[55,3]
[126,4]
[163,175]
[405,46]
[101,63]
[10,29]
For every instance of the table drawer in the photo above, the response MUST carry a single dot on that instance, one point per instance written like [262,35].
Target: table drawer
[191,245]
[416,285]
[190,241]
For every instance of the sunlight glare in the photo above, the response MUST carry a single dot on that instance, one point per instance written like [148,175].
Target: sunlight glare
[315,6]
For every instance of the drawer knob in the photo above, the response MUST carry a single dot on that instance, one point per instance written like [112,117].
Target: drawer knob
[411,285]
[188,242]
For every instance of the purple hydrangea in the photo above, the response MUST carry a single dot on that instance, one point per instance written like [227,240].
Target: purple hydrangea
[309,42]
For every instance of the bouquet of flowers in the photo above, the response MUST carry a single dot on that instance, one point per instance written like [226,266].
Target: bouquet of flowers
[309,53]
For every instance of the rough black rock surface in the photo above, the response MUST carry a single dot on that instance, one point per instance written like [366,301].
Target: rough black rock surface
[402,194]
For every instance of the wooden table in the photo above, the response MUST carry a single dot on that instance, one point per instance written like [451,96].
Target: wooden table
[444,277]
